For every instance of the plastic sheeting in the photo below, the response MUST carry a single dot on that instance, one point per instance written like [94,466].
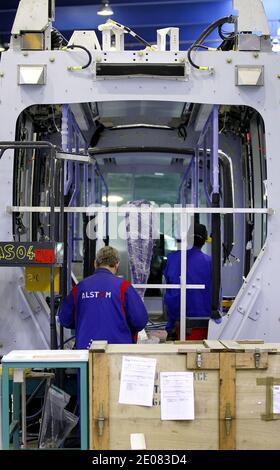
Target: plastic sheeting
[141,230]
[57,422]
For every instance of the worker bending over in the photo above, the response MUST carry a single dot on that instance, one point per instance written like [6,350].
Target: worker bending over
[198,301]
[104,306]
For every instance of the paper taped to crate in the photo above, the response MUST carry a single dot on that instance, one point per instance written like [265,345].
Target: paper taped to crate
[177,395]
[137,380]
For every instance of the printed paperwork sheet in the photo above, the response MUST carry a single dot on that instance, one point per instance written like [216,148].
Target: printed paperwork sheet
[276,398]
[177,395]
[137,381]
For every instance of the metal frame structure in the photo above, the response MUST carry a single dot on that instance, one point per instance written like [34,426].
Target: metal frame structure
[220,80]
[5,146]
[50,360]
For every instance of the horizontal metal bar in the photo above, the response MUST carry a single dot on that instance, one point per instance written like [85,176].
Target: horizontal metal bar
[168,286]
[154,210]
[74,157]
[95,151]
[13,145]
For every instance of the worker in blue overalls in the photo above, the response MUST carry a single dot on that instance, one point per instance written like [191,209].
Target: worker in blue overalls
[198,301]
[104,306]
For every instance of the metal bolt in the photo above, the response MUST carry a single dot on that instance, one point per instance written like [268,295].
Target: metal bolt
[25,53]
[229,61]
[140,53]
[52,59]
[2,74]
[182,60]
[256,55]
[98,59]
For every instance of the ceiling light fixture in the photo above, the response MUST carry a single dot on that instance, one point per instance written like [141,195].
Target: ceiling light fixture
[105,9]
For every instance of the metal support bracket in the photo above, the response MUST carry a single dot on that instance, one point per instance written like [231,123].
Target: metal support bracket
[247,307]
[173,33]
[199,360]
[100,420]
[257,358]
[228,419]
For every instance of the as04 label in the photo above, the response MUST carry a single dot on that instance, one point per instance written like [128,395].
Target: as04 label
[27,254]
[11,252]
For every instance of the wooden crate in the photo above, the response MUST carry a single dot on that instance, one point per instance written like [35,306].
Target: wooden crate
[233,396]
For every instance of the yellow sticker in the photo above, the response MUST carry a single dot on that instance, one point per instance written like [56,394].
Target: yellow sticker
[38,279]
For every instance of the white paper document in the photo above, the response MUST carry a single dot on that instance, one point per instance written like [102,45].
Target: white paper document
[137,381]
[177,395]
[137,441]
[276,398]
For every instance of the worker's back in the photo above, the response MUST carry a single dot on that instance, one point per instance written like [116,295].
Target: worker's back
[105,308]
[198,272]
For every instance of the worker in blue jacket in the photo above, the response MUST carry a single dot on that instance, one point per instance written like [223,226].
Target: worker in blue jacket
[199,271]
[104,306]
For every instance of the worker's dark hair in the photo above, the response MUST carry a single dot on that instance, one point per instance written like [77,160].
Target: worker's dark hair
[107,256]
[200,235]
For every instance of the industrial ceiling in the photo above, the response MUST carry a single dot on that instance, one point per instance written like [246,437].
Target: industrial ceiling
[143,16]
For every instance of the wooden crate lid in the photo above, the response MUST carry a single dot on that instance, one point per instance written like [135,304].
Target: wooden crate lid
[184,347]
[161,348]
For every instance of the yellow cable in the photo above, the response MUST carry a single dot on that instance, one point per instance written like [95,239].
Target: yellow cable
[152,49]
